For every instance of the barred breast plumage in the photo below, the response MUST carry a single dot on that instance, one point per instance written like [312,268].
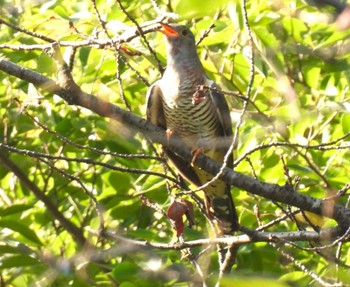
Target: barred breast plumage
[196,124]
[204,124]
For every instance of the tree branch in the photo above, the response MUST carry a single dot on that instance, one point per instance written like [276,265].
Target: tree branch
[40,155]
[250,237]
[284,194]
[127,36]
[73,230]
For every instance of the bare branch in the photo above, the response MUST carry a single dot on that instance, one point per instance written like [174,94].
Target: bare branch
[30,33]
[323,146]
[303,268]
[283,194]
[127,36]
[205,34]
[73,230]
[97,206]
[141,32]
[89,148]
[251,237]
[40,155]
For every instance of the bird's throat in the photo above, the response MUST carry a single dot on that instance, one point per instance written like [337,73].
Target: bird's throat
[187,75]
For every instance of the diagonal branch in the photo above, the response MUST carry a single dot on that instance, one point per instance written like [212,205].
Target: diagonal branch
[126,36]
[73,230]
[284,194]
[250,237]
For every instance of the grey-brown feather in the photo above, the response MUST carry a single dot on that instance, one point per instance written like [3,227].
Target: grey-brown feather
[205,124]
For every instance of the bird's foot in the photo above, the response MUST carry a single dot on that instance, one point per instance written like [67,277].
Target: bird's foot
[196,151]
[169,133]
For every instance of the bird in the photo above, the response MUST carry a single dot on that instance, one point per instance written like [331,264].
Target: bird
[200,119]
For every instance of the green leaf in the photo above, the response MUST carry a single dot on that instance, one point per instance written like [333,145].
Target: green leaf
[125,211]
[345,122]
[229,281]
[334,37]
[19,248]
[312,76]
[128,284]
[119,181]
[14,209]
[61,12]
[294,276]
[198,8]
[64,127]
[47,5]
[300,94]
[17,261]
[295,27]
[219,37]
[21,229]
[125,271]
[84,53]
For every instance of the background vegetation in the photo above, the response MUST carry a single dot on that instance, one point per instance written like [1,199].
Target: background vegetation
[85,172]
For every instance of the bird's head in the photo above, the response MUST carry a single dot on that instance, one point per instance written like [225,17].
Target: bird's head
[180,42]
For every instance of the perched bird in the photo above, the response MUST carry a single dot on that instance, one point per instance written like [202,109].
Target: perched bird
[200,118]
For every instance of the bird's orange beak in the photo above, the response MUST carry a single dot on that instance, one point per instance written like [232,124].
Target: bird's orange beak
[168,31]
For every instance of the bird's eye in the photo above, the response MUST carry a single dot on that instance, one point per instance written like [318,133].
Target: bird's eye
[184,32]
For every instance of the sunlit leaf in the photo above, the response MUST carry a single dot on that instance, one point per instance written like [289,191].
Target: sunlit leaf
[346,123]
[252,282]
[124,271]
[18,261]
[198,8]
[21,229]
[290,129]
[14,209]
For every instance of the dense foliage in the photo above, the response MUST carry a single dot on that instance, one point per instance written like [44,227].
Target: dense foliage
[98,173]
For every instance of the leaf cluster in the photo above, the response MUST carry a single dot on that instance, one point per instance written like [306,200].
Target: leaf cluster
[295,129]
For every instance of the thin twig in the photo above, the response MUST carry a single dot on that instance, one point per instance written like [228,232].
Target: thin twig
[152,205]
[73,230]
[30,33]
[229,260]
[97,206]
[141,33]
[303,268]
[205,33]
[39,155]
[251,236]
[127,36]
[321,147]
[283,194]
[89,148]
[117,56]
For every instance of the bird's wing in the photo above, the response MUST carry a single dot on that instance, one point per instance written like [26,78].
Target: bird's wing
[154,103]
[223,113]
[155,114]
[218,196]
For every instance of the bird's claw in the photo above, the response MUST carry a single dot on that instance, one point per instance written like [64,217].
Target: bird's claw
[196,151]
[169,133]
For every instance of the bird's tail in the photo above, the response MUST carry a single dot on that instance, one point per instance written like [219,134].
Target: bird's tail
[220,206]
